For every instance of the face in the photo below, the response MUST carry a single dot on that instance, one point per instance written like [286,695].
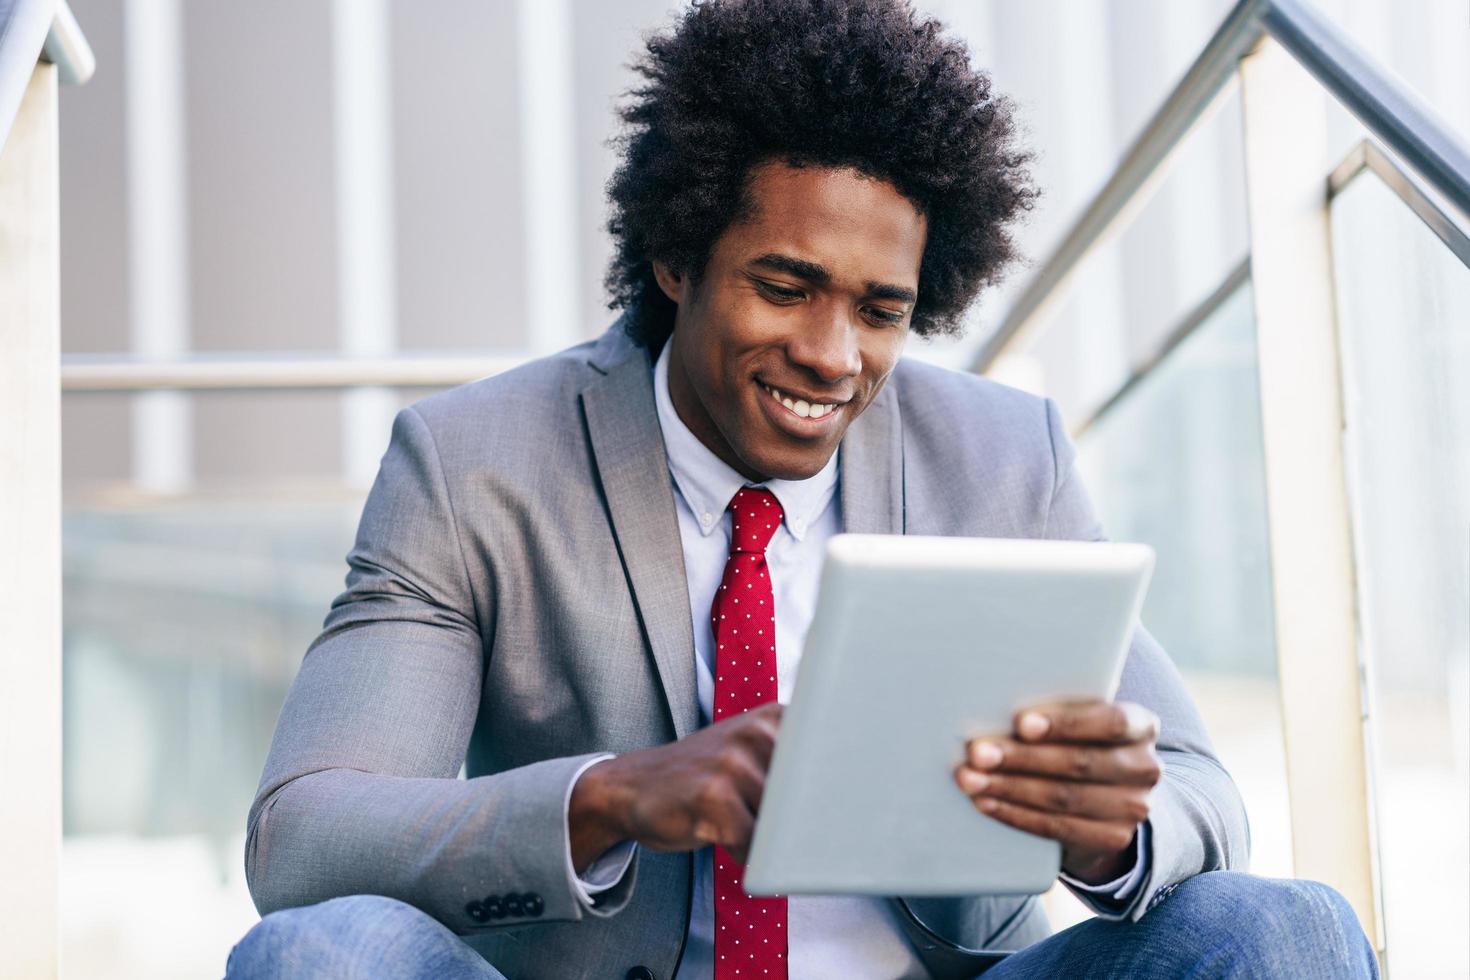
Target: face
[799,318]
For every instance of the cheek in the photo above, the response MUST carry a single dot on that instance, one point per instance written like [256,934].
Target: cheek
[880,354]
[742,343]
[719,381]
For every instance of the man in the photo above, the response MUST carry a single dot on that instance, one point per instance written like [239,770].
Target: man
[540,587]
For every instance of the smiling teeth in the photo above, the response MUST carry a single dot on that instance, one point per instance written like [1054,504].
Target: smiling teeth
[806,410]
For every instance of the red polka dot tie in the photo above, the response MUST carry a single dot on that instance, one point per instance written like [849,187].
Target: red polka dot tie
[750,933]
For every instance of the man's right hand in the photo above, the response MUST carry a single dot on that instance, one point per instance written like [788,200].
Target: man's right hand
[703,789]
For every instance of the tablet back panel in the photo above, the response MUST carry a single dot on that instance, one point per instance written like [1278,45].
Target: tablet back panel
[917,645]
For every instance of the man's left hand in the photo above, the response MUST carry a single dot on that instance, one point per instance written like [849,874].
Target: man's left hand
[1079,773]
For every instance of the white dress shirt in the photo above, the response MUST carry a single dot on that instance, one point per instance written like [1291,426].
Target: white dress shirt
[854,937]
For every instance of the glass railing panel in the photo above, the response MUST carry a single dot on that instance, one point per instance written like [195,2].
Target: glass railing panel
[116,445]
[1136,285]
[184,623]
[1404,324]
[1177,463]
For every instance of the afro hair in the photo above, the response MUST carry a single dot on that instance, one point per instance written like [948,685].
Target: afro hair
[860,84]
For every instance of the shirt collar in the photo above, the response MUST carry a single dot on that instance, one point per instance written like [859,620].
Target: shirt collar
[707,482]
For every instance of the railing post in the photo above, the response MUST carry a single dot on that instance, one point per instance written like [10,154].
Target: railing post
[1323,708]
[30,537]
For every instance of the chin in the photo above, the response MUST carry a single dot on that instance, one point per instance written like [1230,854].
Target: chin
[789,465]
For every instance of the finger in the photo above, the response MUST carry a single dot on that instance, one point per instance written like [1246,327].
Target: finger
[1071,831]
[722,817]
[1089,721]
[758,736]
[747,775]
[736,832]
[1096,801]
[1129,765]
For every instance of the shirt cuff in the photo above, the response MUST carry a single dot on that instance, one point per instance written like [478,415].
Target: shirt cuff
[1122,888]
[610,866]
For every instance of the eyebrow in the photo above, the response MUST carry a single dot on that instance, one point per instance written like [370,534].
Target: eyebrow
[821,275]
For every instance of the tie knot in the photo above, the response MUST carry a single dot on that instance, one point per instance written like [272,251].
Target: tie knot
[756,514]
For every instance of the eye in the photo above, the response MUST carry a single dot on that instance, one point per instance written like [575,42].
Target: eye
[777,293]
[881,315]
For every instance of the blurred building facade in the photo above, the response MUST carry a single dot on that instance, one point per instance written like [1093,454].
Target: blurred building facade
[369,175]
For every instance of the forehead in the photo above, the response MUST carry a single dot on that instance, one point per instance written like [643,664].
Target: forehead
[859,227]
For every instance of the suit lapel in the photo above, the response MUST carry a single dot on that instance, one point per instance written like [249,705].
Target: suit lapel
[622,423]
[871,469]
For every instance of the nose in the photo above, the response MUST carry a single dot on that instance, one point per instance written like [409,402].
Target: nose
[827,345]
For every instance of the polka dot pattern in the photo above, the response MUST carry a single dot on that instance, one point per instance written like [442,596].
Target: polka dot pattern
[750,933]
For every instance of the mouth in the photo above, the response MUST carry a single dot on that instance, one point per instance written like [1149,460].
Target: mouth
[796,414]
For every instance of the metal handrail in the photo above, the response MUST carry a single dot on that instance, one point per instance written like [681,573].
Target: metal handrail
[256,372]
[1367,156]
[66,47]
[32,30]
[1182,330]
[1383,104]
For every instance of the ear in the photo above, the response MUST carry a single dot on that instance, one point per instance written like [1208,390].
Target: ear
[671,282]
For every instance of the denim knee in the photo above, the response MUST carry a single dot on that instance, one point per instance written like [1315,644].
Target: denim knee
[1299,928]
[354,936]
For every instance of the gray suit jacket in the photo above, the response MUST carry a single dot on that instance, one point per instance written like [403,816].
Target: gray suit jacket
[516,601]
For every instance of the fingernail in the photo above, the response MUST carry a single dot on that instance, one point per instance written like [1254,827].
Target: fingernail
[1033,725]
[985,755]
[986,804]
[974,782]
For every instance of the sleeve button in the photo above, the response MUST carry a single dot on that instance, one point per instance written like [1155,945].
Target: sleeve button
[476,911]
[533,904]
[493,907]
[513,905]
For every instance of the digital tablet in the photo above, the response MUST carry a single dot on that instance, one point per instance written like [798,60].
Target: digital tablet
[919,644]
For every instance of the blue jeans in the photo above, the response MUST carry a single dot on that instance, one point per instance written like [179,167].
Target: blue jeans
[1220,924]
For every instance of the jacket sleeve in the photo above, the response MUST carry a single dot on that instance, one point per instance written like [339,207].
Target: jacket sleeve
[360,793]
[1197,821]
